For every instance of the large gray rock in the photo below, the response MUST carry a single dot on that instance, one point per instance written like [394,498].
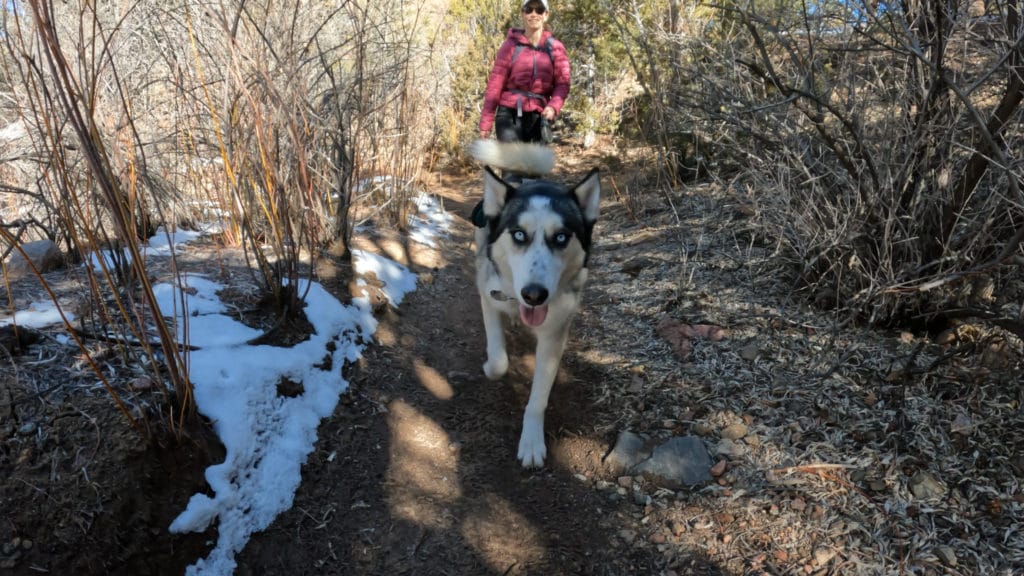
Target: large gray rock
[44,255]
[680,461]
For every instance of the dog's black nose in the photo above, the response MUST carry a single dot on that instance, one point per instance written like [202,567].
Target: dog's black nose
[534,294]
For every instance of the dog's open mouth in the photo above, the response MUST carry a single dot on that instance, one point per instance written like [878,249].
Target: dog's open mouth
[533,316]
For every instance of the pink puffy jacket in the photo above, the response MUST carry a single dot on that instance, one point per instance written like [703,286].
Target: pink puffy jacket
[532,72]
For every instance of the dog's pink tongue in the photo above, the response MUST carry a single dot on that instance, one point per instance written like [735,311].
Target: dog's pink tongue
[533,316]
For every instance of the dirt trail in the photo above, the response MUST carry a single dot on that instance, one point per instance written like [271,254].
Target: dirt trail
[844,459]
[417,471]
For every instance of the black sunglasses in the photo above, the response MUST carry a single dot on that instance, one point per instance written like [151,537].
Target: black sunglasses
[537,9]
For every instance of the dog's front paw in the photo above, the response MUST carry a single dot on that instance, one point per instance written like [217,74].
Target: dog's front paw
[495,368]
[531,445]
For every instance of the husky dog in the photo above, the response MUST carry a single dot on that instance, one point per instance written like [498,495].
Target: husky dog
[532,246]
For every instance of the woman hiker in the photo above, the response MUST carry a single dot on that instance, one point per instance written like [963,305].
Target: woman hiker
[529,81]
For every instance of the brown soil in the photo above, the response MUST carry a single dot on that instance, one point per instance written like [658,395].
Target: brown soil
[416,471]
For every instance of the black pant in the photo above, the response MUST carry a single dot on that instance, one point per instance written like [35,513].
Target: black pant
[508,127]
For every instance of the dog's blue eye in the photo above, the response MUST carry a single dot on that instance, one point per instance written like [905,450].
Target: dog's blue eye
[519,237]
[561,239]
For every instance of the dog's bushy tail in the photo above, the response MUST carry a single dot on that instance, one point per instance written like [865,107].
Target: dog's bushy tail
[521,157]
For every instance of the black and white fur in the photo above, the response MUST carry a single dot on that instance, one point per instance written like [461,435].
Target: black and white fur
[531,261]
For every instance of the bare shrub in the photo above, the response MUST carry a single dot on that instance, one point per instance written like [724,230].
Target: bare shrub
[94,175]
[882,146]
[286,121]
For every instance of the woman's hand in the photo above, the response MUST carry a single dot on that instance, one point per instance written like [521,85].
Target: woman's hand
[548,113]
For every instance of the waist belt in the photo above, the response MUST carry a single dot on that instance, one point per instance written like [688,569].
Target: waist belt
[519,100]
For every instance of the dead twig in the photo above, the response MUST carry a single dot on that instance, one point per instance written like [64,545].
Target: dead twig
[622,200]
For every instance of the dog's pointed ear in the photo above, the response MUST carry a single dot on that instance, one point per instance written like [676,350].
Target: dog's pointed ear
[496,193]
[588,194]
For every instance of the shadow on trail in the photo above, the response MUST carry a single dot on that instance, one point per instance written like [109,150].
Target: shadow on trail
[416,473]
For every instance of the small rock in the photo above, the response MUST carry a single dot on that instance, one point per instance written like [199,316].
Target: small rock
[641,499]
[141,383]
[657,538]
[26,544]
[750,352]
[625,481]
[962,424]
[781,556]
[581,478]
[603,485]
[14,341]
[817,513]
[702,428]
[678,336]
[734,431]
[823,555]
[798,504]
[43,254]
[678,527]
[627,536]
[718,469]
[752,440]
[28,428]
[946,337]
[634,266]
[630,449]
[426,277]
[924,486]
[729,448]
[711,332]
[946,555]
